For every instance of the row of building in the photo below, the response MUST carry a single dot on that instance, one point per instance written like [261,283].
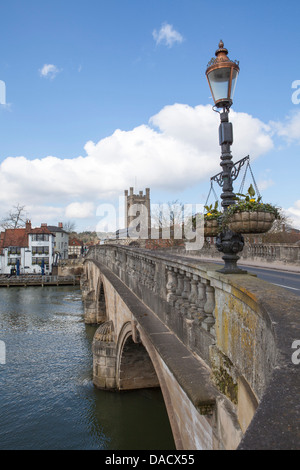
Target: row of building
[31,250]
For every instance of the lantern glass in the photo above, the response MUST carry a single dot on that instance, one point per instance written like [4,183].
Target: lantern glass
[233,84]
[219,80]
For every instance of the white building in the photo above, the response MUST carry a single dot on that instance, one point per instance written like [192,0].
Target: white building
[26,250]
[61,243]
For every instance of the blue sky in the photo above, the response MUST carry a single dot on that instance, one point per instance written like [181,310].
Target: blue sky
[104,95]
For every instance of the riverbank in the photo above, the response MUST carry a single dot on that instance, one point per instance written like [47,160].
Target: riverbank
[38,280]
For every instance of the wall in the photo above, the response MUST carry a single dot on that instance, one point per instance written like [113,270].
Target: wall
[265,253]
[70,267]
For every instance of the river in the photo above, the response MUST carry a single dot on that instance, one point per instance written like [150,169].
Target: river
[48,400]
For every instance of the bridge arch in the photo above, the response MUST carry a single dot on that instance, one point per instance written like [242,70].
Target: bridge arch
[101,301]
[134,367]
[130,363]
[94,295]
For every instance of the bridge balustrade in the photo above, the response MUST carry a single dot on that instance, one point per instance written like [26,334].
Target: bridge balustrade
[240,327]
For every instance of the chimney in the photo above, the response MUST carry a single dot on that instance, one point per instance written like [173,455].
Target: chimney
[28,225]
[60,224]
[43,225]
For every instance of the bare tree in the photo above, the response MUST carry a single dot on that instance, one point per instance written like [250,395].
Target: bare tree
[69,226]
[16,218]
[167,214]
[167,219]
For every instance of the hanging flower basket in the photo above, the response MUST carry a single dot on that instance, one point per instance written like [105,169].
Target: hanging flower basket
[251,222]
[250,215]
[211,228]
[211,225]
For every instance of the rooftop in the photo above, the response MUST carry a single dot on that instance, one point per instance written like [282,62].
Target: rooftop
[19,236]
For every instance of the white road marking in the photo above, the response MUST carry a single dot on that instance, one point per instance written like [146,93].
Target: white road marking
[287,287]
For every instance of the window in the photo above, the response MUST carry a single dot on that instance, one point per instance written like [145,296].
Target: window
[38,261]
[14,250]
[13,261]
[40,237]
[40,250]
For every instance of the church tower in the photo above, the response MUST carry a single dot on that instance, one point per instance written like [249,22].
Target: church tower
[140,199]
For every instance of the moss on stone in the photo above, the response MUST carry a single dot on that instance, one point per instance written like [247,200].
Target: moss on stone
[226,384]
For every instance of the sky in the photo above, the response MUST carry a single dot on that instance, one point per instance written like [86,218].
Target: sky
[98,96]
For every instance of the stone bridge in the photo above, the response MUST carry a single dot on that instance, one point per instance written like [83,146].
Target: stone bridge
[219,346]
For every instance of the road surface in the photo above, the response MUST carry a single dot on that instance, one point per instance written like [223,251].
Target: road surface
[288,280]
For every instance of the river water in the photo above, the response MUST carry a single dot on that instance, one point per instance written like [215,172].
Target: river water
[47,398]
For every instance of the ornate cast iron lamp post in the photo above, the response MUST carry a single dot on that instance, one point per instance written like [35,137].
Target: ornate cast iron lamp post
[222,74]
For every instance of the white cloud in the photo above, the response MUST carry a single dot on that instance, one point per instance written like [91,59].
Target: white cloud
[80,210]
[167,35]
[294,213]
[175,151]
[44,214]
[49,71]
[265,184]
[288,129]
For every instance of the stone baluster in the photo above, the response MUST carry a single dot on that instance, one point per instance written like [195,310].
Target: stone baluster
[144,271]
[185,294]
[171,285]
[150,275]
[117,264]
[193,297]
[123,265]
[132,267]
[209,321]
[139,270]
[129,265]
[201,300]
[179,290]
[134,271]
[154,280]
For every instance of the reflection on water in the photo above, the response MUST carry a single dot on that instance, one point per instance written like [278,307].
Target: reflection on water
[48,400]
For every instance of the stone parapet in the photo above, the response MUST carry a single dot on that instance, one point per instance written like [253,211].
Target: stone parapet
[268,253]
[241,327]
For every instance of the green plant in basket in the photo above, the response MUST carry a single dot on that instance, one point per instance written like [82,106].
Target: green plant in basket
[250,203]
[211,220]
[212,212]
[249,214]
